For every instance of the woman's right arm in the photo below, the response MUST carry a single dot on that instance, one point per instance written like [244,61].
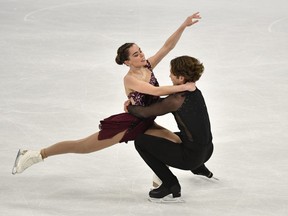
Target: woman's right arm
[131,82]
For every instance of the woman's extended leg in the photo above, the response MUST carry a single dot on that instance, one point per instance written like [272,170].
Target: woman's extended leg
[26,158]
[82,146]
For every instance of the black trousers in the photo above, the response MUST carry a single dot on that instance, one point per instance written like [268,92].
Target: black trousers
[158,152]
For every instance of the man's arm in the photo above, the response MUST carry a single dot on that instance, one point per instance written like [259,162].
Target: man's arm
[167,105]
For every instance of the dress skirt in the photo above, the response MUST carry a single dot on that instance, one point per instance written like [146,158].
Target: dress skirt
[111,126]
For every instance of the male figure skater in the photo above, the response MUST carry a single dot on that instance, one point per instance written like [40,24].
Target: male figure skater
[190,112]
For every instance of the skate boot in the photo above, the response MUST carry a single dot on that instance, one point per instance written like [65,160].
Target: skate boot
[156,181]
[163,194]
[25,159]
[204,171]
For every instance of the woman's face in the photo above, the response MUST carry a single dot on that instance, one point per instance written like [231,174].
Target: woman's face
[136,57]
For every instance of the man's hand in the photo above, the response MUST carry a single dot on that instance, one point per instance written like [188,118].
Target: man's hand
[126,104]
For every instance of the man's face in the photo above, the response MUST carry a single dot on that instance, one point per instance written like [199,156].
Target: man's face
[176,80]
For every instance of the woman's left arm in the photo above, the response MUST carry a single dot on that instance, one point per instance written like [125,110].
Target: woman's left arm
[173,39]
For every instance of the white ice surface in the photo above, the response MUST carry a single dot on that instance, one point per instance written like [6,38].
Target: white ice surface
[58,79]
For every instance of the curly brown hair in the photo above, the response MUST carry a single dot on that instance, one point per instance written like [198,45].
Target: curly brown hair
[188,67]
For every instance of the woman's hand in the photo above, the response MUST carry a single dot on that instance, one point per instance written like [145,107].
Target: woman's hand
[190,86]
[191,20]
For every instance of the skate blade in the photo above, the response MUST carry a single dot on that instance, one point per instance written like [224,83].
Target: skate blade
[215,178]
[14,170]
[167,199]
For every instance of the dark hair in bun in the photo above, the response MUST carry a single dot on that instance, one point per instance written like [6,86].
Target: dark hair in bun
[123,53]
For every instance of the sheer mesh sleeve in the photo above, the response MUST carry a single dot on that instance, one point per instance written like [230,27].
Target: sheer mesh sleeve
[167,105]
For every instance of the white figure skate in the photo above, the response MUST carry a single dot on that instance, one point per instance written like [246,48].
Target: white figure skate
[25,159]
[156,181]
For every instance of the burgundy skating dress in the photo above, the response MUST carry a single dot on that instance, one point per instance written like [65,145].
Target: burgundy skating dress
[115,124]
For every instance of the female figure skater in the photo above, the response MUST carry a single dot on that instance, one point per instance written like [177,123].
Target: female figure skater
[140,86]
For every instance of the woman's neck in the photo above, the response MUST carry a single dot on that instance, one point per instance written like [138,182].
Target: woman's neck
[141,73]
[132,68]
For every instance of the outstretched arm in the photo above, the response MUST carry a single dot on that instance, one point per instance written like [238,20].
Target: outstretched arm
[173,39]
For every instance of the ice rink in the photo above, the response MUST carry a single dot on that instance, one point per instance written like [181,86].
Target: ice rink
[58,78]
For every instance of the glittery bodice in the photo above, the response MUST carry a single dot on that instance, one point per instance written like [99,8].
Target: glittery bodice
[145,99]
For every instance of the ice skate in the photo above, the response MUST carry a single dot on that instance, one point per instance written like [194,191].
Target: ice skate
[165,195]
[156,181]
[166,199]
[25,159]
[204,171]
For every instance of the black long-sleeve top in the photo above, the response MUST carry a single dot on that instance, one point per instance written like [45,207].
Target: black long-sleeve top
[190,112]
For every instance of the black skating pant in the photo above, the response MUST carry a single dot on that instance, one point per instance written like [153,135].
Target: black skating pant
[159,152]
